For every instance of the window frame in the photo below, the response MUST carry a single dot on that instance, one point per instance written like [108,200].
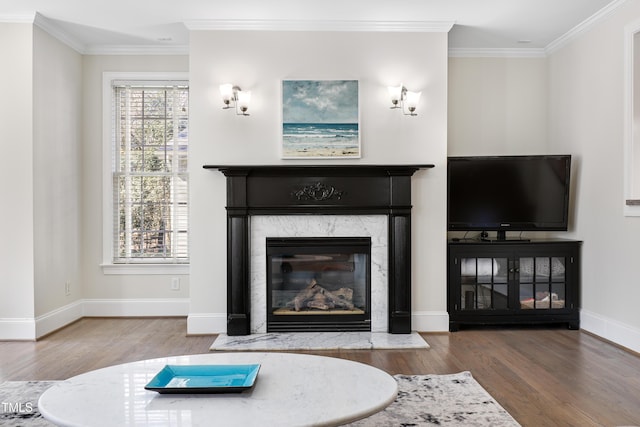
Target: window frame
[631,205]
[151,266]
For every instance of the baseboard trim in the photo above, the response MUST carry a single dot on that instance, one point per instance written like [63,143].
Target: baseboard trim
[17,329]
[28,329]
[611,330]
[430,321]
[206,323]
[136,307]
[58,318]
[216,323]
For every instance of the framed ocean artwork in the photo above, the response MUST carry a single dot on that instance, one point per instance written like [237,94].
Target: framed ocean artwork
[320,119]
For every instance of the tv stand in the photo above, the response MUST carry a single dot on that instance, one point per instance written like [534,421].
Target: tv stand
[513,282]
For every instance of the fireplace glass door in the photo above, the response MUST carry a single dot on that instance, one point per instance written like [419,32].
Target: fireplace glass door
[318,284]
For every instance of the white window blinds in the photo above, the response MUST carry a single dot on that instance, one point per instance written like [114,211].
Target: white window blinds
[150,181]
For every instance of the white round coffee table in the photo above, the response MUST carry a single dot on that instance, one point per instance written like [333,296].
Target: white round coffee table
[290,390]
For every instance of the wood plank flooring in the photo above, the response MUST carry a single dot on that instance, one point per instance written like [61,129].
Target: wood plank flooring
[543,377]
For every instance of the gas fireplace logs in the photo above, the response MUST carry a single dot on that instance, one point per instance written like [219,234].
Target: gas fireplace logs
[316,297]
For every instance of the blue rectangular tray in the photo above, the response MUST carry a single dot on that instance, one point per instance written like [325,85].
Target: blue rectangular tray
[204,379]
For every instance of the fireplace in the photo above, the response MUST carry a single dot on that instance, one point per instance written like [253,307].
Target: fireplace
[318,284]
[331,191]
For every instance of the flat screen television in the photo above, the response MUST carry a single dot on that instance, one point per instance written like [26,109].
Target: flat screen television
[508,193]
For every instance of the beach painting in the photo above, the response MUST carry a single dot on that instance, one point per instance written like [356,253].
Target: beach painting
[320,119]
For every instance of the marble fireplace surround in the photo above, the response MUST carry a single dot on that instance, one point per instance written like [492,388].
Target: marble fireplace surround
[265,197]
[373,226]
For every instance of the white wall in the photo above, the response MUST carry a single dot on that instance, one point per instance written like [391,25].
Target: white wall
[16,176]
[118,294]
[497,106]
[259,61]
[57,115]
[586,101]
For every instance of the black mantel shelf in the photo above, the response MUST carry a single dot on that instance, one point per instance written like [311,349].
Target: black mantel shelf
[354,189]
[344,170]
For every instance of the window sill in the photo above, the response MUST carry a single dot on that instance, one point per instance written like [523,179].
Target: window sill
[631,207]
[145,269]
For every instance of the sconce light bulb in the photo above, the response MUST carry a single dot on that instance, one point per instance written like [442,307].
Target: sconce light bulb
[244,98]
[226,90]
[395,92]
[412,100]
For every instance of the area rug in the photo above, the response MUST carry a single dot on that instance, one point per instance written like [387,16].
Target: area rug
[19,403]
[318,341]
[440,400]
[454,400]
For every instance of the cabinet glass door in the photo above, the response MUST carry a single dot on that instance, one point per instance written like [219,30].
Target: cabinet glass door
[484,284]
[542,282]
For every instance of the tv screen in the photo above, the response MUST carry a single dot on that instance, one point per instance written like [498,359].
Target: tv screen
[503,193]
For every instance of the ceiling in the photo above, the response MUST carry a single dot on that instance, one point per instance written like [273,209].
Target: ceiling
[94,26]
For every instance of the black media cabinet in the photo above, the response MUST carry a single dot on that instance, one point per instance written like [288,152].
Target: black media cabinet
[513,282]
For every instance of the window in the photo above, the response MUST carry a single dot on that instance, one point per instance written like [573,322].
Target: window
[632,119]
[149,183]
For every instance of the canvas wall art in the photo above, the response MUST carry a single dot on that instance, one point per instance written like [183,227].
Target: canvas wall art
[320,119]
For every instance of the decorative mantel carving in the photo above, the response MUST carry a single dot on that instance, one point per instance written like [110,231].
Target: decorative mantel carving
[318,189]
[318,192]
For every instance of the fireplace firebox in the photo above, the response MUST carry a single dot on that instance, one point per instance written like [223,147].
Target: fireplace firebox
[319,284]
[319,190]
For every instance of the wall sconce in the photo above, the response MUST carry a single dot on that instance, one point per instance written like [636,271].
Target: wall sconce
[404,99]
[233,96]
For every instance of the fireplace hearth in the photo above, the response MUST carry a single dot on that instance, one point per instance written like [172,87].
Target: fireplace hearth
[319,190]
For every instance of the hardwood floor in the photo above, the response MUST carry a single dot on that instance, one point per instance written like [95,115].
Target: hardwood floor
[543,377]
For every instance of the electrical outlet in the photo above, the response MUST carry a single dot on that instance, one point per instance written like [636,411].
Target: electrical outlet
[67,287]
[175,283]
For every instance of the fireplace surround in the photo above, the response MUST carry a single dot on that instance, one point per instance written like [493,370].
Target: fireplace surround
[318,190]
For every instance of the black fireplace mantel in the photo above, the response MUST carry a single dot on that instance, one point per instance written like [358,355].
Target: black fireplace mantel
[318,190]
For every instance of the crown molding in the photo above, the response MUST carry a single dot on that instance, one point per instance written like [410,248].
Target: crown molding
[17,19]
[74,43]
[497,53]
[310,25]
[55,31]
[552,47]
[137,50]
[583,27]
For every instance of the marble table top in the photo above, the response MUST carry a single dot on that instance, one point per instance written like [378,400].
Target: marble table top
[291,390]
